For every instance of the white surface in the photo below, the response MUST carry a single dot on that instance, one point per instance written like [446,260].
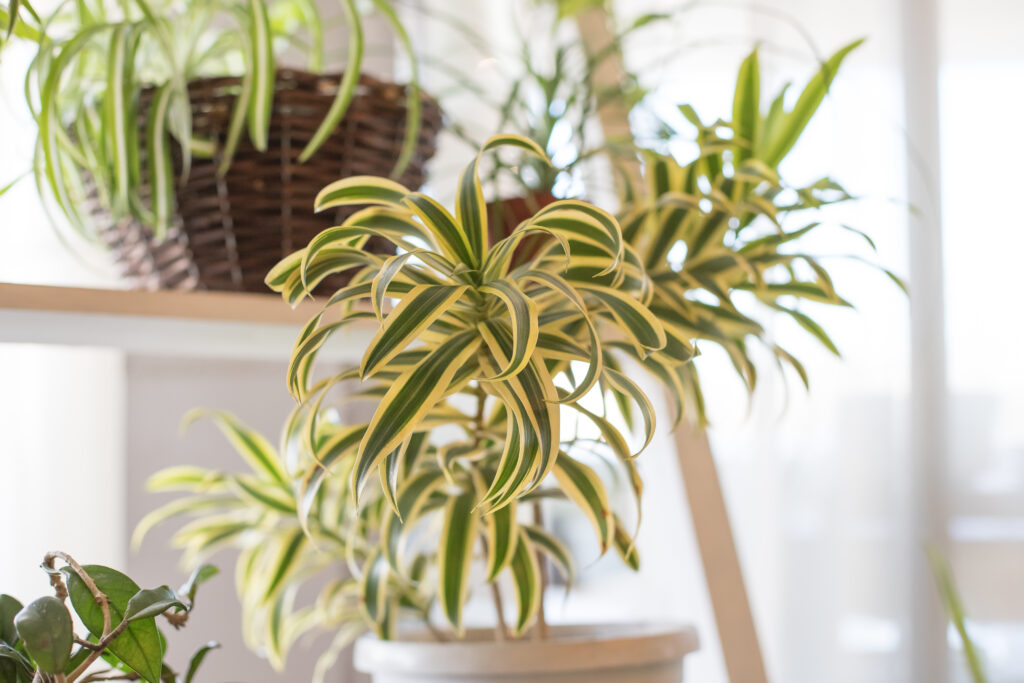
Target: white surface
[156,336]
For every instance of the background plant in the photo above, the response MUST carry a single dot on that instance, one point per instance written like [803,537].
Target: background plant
[716,234]
[38,643]
[94,59]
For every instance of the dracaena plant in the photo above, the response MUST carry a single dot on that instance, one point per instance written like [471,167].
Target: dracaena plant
[38,643]
[721,237]
[95,57]
[472,370]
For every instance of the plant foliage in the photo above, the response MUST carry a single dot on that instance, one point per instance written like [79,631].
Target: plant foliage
[476,366]
[37,641]
[95,57]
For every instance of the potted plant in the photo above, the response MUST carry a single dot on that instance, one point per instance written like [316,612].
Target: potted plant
[474,346]
[38,643]
[168,132]
[470,373]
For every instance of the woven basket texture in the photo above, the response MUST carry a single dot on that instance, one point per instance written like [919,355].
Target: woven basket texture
[229,231]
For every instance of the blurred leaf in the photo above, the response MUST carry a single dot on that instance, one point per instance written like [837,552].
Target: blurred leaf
[152,602]
[199,576]
[9,606]
[197,659]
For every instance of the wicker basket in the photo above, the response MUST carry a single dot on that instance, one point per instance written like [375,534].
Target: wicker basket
[229,231]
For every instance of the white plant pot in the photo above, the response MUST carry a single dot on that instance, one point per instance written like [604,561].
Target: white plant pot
[613,653]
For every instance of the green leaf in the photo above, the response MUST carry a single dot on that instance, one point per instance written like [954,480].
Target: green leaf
[199,576]
[633,318]
[554,549]
[954,606]
[584,487]
[526,581]
[414,314]
[161,172]
[746,107]
[262,66]
[252,446]
[347,86]
[357,190]
[413,102]
[152,602]
[809,324]
[455,555]
[408,400]
[140,646]
[525,328]
[625,545]
[794,122]
[46,633]
[197,660]
[285,563]
[502,536]
[374,587]
[9,606]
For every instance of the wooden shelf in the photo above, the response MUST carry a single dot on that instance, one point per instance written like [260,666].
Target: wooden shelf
[191,324]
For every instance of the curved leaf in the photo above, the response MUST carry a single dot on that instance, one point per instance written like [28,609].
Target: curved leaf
[455,554]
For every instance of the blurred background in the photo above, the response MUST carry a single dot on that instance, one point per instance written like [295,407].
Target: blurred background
[915,437]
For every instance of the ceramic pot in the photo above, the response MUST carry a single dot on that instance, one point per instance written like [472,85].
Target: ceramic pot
[612,653]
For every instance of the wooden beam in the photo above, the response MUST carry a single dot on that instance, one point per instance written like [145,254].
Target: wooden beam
[737,632]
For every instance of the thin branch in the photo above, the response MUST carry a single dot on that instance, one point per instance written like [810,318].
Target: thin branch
[49,561]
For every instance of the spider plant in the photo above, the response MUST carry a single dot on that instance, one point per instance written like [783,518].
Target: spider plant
[472,372]
[716,235]
[14,23]
[95,57]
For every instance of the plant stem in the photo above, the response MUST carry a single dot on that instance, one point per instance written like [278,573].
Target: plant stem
[541,632]
[49,561]
[501,629]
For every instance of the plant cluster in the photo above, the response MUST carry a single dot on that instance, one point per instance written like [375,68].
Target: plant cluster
[498,383]
[96,59]
[38,643]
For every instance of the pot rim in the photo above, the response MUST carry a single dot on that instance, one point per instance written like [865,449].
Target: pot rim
[571,647]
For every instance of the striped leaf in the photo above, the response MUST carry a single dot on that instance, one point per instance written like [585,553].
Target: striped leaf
[746,106]
[555,550]
[285,563]
[161,171]
[502,535]
[633,318]
[347,86]
[523,316]
[408,400]
[118,112]
[239,115]
[415,313]
[584,488]
[361,189]
[526,581]
[413,103]
[625,545]
[374,587]
[455,554]
[261,64]
[791,124]
[252,446]
[624,385]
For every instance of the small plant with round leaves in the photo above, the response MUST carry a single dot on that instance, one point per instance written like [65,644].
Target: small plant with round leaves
[38,643]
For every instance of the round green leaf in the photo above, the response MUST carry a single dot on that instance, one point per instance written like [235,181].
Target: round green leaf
[45,629]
